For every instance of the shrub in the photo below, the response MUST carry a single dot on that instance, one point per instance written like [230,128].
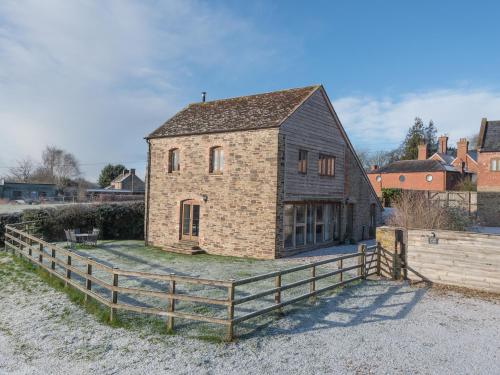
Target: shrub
[412,209]
[8,219]
[115,220]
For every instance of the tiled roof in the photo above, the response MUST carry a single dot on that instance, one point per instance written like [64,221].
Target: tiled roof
[491,137]
[408,166]
[448,159]
[242,113]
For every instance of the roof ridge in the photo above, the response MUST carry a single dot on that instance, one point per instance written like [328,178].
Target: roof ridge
[316,86]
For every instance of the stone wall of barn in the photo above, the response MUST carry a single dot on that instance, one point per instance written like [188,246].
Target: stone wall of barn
[239,216]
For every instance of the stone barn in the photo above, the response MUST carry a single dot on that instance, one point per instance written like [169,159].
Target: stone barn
[261,176]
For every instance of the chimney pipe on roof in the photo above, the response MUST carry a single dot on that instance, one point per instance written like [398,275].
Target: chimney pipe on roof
[442,144]
[203,96]
[132,170]
[422,151]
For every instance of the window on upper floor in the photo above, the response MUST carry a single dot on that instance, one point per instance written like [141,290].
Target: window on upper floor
[326,165]
[174,160]
[302,165]
[495,165]
[216,160]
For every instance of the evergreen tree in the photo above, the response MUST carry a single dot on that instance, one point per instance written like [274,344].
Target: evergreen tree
[431,138]
[415,136]
[109,173]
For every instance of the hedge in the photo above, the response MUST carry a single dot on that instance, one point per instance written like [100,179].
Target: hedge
[115,220]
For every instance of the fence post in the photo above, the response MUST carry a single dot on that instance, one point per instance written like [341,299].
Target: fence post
[171,304]
[230,311]
[40,253]
[114,295]
[379,256]
[53,255]
[340,265]
[68,271]
[312,284]
[30,250]
[88,281]
[362,261]
[277,294]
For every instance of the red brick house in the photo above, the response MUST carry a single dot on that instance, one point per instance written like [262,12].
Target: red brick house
[261,176]
[488,177]
[439,172]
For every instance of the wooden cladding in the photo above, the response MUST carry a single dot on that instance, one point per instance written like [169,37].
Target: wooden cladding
[302,165]
[326,165]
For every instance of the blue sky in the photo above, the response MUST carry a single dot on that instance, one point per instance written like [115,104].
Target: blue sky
[94,77]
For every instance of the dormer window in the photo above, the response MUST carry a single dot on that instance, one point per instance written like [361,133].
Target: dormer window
[216,160]
[174,160]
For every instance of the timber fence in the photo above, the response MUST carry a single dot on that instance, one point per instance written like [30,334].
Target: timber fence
[104,283]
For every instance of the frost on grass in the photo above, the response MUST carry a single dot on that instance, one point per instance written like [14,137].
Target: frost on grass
[379,327]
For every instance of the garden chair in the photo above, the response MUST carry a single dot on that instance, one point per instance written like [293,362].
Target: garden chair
[92,238]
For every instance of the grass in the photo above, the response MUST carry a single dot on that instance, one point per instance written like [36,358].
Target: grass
[134,255]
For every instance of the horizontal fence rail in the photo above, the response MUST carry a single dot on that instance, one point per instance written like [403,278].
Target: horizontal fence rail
[102,282]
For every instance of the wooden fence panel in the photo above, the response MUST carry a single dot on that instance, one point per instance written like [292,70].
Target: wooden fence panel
[77,271]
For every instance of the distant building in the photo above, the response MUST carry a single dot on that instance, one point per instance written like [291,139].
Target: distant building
[26,191]
[128,182]
[489,156]
[488,176]
[440,172]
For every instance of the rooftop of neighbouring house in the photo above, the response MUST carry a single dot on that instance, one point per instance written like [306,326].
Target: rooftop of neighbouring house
[408,166]
[489,137]
[258,111]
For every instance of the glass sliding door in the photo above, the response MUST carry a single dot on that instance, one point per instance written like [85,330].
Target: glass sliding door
[288,219]
[310,223]
[300,225]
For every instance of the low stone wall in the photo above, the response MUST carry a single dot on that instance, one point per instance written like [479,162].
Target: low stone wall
[464,259]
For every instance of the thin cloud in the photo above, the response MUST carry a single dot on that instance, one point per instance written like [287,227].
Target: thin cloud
[94,77]
[381,124]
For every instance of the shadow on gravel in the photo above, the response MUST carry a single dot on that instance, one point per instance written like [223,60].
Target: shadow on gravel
[370,302]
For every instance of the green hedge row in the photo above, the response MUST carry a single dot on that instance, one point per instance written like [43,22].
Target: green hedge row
[115,220]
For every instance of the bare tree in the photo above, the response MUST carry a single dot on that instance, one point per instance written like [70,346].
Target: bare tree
[23,171]
[59,166]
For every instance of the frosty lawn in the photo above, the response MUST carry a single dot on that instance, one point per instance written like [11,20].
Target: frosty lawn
[377,327]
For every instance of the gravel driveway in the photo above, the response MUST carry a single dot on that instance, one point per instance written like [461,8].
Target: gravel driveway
[379,327]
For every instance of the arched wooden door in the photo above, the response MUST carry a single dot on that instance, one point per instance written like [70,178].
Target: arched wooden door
[190,220]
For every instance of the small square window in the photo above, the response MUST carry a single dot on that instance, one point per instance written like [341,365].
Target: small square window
[302,166]
[495,165]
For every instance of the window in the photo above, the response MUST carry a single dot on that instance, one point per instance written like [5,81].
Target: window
[495,165]
[402,178]
[173,160]
[302,166]
[216,160]
[326,165]
[300,225]
[310,223]
[428,178]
